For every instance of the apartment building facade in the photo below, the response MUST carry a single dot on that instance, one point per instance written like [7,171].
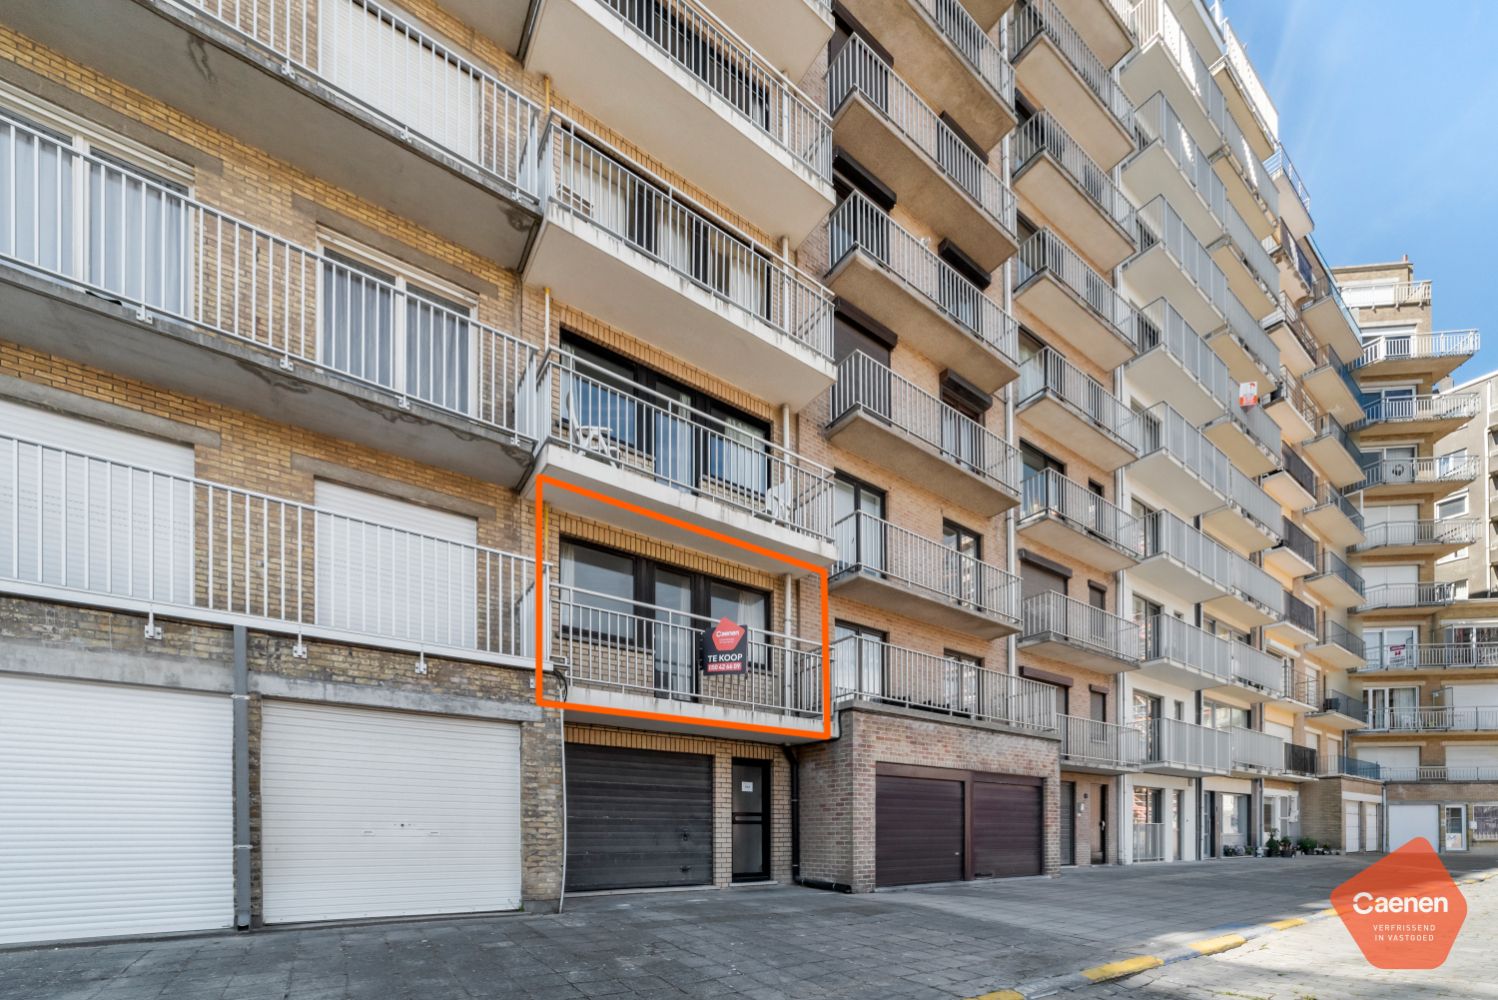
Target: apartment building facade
[359,356]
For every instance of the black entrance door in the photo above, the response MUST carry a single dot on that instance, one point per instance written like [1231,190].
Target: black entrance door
[751,820]
[1068,822]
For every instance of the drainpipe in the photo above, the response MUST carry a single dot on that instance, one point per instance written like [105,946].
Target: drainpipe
[240,702]
[795,766]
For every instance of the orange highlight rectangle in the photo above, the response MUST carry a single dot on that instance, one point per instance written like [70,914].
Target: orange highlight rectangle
[542,482]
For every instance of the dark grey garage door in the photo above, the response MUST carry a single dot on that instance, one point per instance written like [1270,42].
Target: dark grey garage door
[638,818]
[917,830]
[1007,830]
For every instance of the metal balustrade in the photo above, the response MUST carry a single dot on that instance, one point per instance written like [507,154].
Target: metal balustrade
[1330,496]
[1418,346]
[1385,293]
[1043,134]
[1279,164]
[1329,426]
[628,426]
[1054,616]
[1433,656]
[1157,122]
[1168,536]
[1033,18]
[1407,409]
[1334,634]
[1250,168]
[1345,766]
[607,643]
[981,52]
[1301,760]
[1253,89]
[867,385]
[869,545]
[1149,841]
[399,72]
[1045,253]
[1251,248]
[91,530]
[1159,223]
[1284,244]
[865,669]
[1153,20]
[1050,372]
[1333,565]
[1441,718]
[1394,534]
[1298,469]
[1251,583]
[859,224]
[1258,668]
[1298,540]
[1454,468]
[1159,325]
[1258,425]
[1049,492]
[1161,428]
[1300,613]
[1333,700]
[1253,750]
[1169,638]
[1251,333]
[1091,743]
[1439,773]
[89,223]
[588,181]
[858,68]
[1185,745]
[1302,685]
[1425,594]
[1288,315]
[1250,499]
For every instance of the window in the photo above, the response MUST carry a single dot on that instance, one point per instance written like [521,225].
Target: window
[964,568]
[1392,707]
[1453,506]
[1451,463]
[1219,716]
[858,658]
[600,590]
[858,525]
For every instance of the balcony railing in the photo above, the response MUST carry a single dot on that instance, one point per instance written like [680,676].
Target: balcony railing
[1050,372]
[1154,19]
[1418,346]
[1242,324]
[867,385]
[1302,760]
[1161,428]
[1258,669]
[1298,540]
[1426,594]
[1406,409]
[858,68]
[1090,743]
[1258,425]
[869,545]
[1157,121]
[165,254]
[636,648]
[1250,499]
[1440,772]
[1433,656]
[1169,638]
[1258,97]
[1167,535]
[1329,426]
[88,529]
[1035,17]
[1376,293]
[980,51]
[1435,718]
[1283,244]
[859,224]
[594,185]
[1257,751]
[1330,496]
[1299,613]
[1333,565]
[1289,315]
[1056,617]
[1045,253]
[1043,134]
[1393,534]
[1298,469]
[1159,223]
[1302,685]
[400,73]
[627,426]
[1344,766]
[1333,634]
[1253,251]
[1149,841]
[1049,492]
[1158,324]
[1279,164]
[866,669]
[1343,704]
[1185,745]
[1250,583]
[1414,471]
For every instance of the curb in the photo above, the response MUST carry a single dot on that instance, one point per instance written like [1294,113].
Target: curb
[1194,949]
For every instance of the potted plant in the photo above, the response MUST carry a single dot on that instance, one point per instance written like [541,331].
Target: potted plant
[1271,847]
[1307,845]
[1287,848]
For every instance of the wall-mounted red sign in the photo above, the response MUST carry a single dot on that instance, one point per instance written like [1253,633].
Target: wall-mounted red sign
[723,648]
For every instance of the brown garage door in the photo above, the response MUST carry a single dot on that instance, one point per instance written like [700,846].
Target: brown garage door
[918,830]
[1007,829]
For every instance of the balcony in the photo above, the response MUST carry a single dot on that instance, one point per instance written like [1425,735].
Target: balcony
[959,68]
[1185,656]
[1052,172]
[790,34]
[1421,538]
[1335,518]
[1058,72]
[893,277]
[1465,774]
[872,673]
[1061,628]
[1295,556]
[1294,483]
[1292,408]
[1297,277]
[1177,461]
[1475,656]
[1172,265]
[1329,319]
[1302,690]
[348,90]
[1250,353]
[1412,416]
[80,529]
[1061,402]
[1430,356]
[1332,449]
[1094,747]
[1296,626]
[1341,710]
[1425,478]
[1171,165]
[1298,349]
[1166,61]
[1301,762]
[1248,436]
[1403,597]
[1069,517]
[205,304]
[1256,753]
[1251,519]
[1257,674]
[644,659]
[1383,293]
[1184,748]
[1250,189]
[1331,385]
[899,571]
[880,121]
[1071,300]
[613,436]
[1251,275]
[1247,100]
[1337,585]
[1337,647]
[1182,561]
[625,249]
[1434,719]
[1295,200]
[1252,597]
[673,80]
[1350,767]
[1176,367]
[895,424]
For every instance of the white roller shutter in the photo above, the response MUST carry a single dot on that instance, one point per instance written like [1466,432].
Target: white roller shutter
[1410,820]
[1485,757]
[1400,763]
[1474,696]
[1284,732]
[116,810]
[1352,828]
[1370,826]
[372,814]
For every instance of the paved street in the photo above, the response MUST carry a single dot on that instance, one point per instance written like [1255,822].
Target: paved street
[764,943]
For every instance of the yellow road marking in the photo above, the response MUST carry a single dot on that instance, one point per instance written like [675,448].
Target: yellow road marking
[1123,967]
[1211,946]
[1285,925]
[1000,995]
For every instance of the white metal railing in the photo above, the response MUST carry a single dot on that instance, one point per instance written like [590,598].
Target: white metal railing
[1402,409]
[1432,656]
[1412,346]
[1161,428]
[1455,718]
[1054,616]
[1149,841]
[1250,499]
[400,72]
[1159,223]
[1279,163]
[1091,743]
[1251,169]
[1169,639]
[867,669]
[596,411]
[1050,493]
[1153,20]
[859,224]
[858,68]
[1048,372]
[1413,471]
[1256,586]
[1252,335]
[81,527]
[588,181]
[1168,536]
[1252,250]
[1440,772]
[1157,122]
[1045,253]
[981,52]
[1159,325]
[1258,668]
[604,642]
[1043,134]
[1381,292]
[1253,89]
[1257,751]
[1258,425]
[122,236]
[1428,593]
[873,547]
[1185,745]
[867,385]
[758,93]
[1033,18]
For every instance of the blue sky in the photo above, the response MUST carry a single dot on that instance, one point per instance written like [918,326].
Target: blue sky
[1389,111]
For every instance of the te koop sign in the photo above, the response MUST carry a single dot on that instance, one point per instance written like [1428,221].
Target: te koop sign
[724,648]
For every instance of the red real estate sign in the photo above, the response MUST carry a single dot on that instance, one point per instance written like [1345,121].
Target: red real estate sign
[723,648]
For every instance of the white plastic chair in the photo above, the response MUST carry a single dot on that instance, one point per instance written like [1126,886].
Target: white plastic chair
[595,438]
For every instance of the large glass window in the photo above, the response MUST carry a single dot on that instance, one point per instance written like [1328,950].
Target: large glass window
[858,659]
[599,590]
